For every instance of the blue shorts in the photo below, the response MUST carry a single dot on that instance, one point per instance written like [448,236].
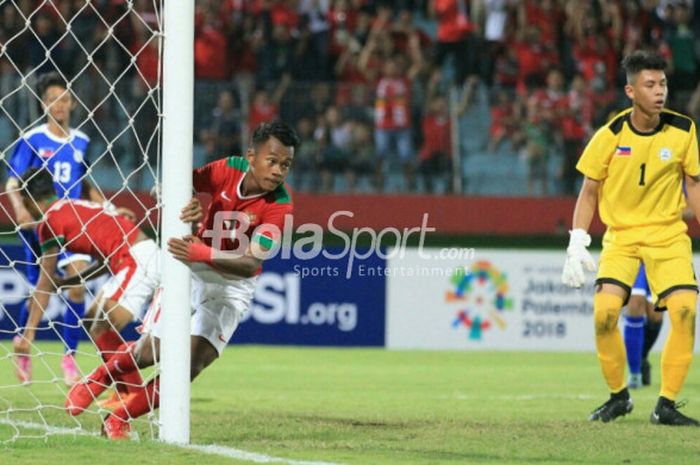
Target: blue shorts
[32,250]
[641,285]
[389,142]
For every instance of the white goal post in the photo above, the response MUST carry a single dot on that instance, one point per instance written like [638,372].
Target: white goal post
[132,99]
[178,107]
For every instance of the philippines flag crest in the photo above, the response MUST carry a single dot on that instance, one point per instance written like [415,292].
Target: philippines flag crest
[623,151]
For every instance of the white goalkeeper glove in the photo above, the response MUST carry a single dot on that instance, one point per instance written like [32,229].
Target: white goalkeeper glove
[577,259]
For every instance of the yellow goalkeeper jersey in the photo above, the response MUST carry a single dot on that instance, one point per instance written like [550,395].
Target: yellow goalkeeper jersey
[641,174]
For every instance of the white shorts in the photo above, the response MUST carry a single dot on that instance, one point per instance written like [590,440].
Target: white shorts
[218,306]
[133,285]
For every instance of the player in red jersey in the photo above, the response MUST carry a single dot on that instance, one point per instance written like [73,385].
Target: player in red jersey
[116,244]
[243,221]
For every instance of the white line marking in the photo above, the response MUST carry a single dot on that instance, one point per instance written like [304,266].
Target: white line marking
[531,397]
[251,456]
[210,449]
[49,429]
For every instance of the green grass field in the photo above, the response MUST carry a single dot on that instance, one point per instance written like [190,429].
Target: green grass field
[379,407]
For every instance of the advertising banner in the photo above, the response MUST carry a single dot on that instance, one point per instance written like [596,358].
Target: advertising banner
[311,301]
[497,299]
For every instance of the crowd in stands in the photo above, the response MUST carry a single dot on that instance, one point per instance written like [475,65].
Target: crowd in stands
[374,87]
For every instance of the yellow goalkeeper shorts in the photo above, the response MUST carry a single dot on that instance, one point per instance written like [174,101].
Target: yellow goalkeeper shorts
[666,252]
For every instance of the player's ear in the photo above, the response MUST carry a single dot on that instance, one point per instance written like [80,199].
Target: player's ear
[250,154]
[629,91]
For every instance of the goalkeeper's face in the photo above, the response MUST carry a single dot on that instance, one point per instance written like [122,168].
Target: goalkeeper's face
[58,103]
[648,91]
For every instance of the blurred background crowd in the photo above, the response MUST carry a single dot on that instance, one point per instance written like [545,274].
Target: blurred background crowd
[479,97]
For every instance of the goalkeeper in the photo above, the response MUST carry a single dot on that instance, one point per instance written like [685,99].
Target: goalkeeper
[634,169]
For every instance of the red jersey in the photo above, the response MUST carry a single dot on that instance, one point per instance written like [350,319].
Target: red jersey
[550,104]
[222,179]
[436,136]
[210,53]
[261,113]
[392,108]
[453,20]
[85,227]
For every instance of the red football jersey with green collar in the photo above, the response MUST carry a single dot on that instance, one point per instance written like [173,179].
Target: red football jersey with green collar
[82,226]
[229,208]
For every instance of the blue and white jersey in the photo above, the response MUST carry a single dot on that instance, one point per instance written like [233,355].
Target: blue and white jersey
[64,157]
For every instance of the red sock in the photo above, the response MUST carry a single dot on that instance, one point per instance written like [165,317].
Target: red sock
[144,401]
[107,343]
[122,367]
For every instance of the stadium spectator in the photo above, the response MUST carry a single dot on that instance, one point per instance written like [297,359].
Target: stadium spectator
[496,13]
[334,135]
[575,126]
[315,15]
[505,121]
[392,107]
[361,147]
[307,158]
[265,107]
[222,136]
[435,156]
[682,42]
[455,37]
[45,37]
[538,143]
[534,58]
[210,45]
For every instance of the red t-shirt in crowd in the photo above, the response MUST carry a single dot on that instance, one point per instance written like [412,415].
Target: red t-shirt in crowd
[436,136]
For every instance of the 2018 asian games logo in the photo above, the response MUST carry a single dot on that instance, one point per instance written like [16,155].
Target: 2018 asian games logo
[482,292]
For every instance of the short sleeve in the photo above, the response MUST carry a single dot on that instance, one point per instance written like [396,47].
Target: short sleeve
[50,234]
[269,233]
[691,163]
[596,156]
[23,158]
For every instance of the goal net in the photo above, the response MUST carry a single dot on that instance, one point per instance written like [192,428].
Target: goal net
[108,54]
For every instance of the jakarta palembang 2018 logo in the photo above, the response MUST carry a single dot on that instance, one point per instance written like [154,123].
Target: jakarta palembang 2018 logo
[482,292]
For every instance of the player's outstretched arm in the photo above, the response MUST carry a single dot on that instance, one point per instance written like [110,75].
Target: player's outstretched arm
[22,216]
[39,299]
[577,255]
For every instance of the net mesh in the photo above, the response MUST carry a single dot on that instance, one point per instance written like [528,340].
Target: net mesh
[109,55]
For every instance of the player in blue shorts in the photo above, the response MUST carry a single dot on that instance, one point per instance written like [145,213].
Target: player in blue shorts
[642,327]
[61,150]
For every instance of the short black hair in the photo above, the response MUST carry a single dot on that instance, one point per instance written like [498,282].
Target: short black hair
[640,60]
[49,80]
[37,183]
[277,129]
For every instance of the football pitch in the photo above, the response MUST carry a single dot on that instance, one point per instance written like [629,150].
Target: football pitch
[374,407]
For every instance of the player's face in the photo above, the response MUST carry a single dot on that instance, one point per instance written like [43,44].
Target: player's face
[58,103]
[270,164]
[648,91]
